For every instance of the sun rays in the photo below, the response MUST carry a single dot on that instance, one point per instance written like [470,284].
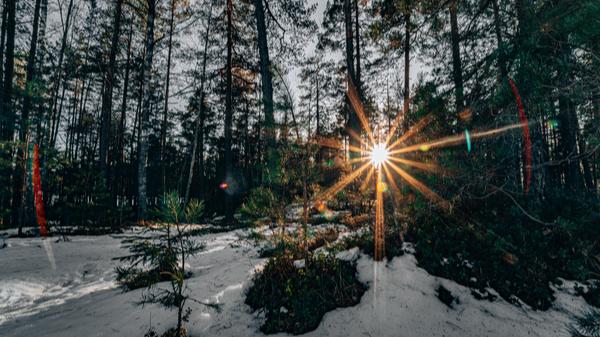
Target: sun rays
[384,163]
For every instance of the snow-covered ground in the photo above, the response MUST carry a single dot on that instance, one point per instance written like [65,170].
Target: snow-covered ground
[75,296]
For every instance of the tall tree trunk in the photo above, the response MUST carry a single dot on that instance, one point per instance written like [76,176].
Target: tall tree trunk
[228,113]
[109,77]
[267,92]
[163,127]
[8,114]
[19,175]
[456,61]
[31,76]
[42,57]
[2,43]
[199,129]
[353,121]
[145,126]
[55,120]
[120,154]
[317,99]
[406,98]
[498,31]
[358,83]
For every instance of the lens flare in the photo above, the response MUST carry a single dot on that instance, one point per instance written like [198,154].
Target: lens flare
[379,155]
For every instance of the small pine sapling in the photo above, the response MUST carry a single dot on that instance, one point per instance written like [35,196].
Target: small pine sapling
[160,256]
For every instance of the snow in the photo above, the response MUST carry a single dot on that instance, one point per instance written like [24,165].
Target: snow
[79,297]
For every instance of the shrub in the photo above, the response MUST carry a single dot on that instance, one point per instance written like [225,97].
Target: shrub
[163,257]
[261,203]
[295,299]
[521,263]
[366,243]
[586,325]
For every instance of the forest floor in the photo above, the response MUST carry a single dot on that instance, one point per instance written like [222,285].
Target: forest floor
[75,295]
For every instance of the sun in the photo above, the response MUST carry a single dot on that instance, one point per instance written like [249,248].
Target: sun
[379,155]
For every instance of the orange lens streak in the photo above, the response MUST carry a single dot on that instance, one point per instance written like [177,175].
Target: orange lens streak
[365,183]
[419,186]
[359,109]
[379,222]
[456,139]
[422,123]
[392,181]
[357,160]
[423,166]
[345,181]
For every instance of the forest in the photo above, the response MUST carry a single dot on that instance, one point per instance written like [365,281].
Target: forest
[334,145]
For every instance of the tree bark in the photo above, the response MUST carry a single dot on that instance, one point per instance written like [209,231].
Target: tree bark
[145,126]
[498,31]
[353,121]
[456,61]
[163,127]
[406,98]
[120,153]
[19,176]
[8,114]
[106,117]
[228,113]
[358,83]
[267,92]
[55,120]
[199,129]
[2,42]
[31,67]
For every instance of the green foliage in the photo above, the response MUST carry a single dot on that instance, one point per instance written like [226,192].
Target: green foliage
[586,325]
[161,256]
[262,203]
[295,299]
[518,260]
[364,241]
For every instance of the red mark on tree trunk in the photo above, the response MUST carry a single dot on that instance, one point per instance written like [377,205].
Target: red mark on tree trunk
[37,192]
[526,137]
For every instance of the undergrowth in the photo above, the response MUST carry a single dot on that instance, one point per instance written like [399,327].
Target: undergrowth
[520,260]
[295,299]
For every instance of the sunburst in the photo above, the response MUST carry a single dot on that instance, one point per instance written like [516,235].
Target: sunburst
[379,160]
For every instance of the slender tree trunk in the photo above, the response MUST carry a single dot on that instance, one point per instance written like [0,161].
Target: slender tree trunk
[353,121]
[145,126]
[456,61]
[406,98]
[318,108]
[2,43]
[42,53]
[358,83]
[163,128]
[120,155]
[8,114]
[267,92]
[228,113]
[199,129]
[31,76]
[498,31]
[19,175]
[58,77]
[109,78]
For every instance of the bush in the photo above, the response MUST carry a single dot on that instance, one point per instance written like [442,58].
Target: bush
[519,260]
[586,325]
[261,203]
[162,257]
[366,243]
[295,299]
